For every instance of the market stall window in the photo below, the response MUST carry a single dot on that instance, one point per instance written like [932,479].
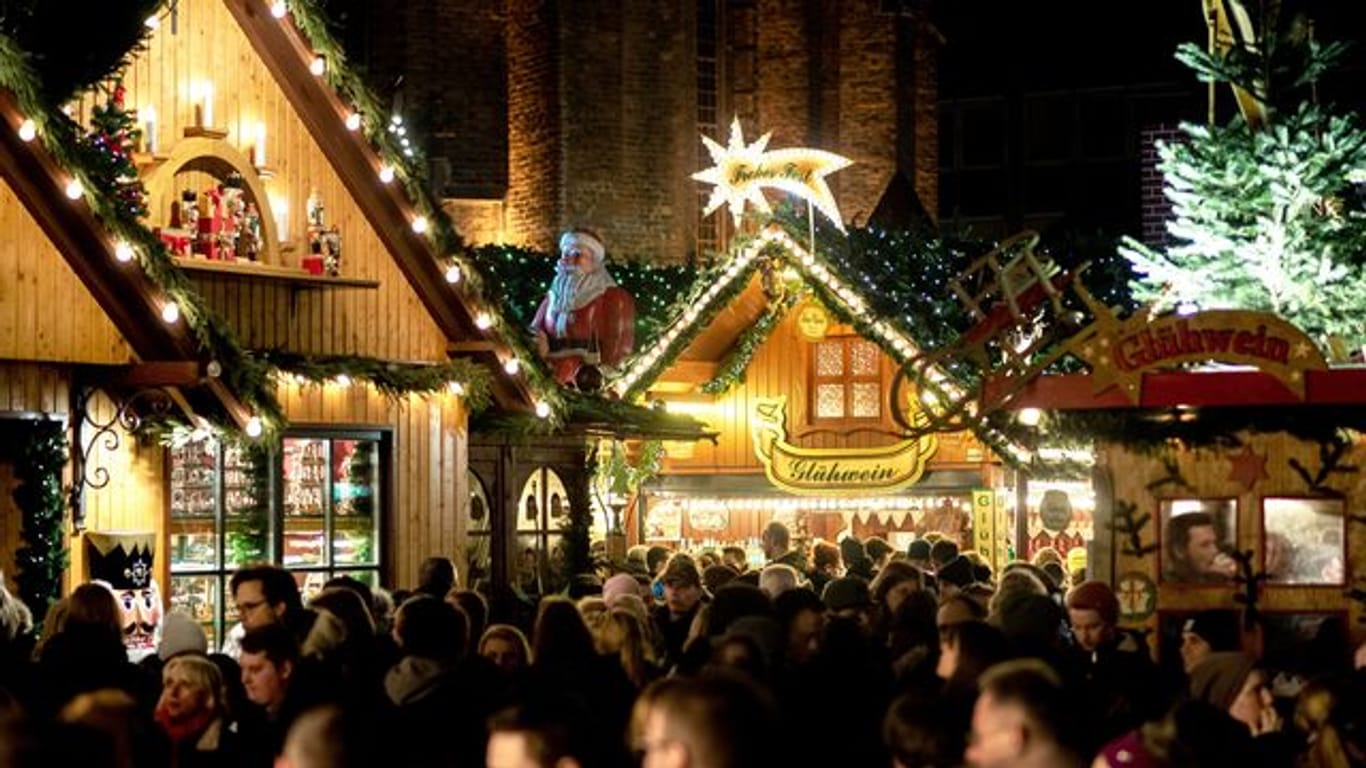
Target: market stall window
[1198,537]
[846,379]
[330,518]
[478,530]
[1302,541]
[542,512]
[219,521]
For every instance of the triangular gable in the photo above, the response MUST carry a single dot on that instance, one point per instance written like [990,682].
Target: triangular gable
[364,157]
[716,290]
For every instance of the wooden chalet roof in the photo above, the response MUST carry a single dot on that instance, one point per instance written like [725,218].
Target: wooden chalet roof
[133,302]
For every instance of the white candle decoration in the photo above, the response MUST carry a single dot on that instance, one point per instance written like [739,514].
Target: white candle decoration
[206,104]
[259,148]
[149,128]
[280,207]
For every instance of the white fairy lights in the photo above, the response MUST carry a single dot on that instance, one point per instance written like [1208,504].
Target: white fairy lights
[170,313]
[28,130]
[74,189]
[123,252]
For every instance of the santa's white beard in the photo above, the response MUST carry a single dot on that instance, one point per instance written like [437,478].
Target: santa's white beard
[572,290]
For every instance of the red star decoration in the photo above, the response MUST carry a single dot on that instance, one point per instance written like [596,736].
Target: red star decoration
[1248,467]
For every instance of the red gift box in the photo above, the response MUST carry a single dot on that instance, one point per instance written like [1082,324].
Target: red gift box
[313,263]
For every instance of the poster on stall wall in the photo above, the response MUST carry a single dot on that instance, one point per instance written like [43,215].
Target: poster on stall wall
[664,521]
[990,531]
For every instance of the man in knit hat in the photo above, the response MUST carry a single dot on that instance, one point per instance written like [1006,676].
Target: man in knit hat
[1233,682]
[1205,633]
[1118,673]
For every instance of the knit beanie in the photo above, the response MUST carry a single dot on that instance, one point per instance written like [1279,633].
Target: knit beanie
[181,634]
[957,571]
[1218,678]
[1218,628]
[618,585]
[1095,596]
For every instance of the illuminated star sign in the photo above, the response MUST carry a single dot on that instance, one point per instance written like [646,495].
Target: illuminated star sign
[743,170]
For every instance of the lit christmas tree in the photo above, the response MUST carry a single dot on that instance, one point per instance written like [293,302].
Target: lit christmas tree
[1268,211]
[108,149]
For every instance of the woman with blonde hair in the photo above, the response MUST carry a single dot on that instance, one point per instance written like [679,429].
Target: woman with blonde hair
[193,712]
[1327,712]
[506,647]
[620,635]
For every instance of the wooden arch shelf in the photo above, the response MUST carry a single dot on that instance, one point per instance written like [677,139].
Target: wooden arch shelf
[217,158]
[295,278]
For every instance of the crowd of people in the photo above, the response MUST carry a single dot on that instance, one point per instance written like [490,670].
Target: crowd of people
[855,656]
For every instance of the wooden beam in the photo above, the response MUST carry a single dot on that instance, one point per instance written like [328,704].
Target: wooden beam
[1168,389]
[177,373]
[689,372]
[472,346]
[324,114]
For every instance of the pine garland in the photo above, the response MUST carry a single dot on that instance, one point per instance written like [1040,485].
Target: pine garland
[43,557]
[393,380]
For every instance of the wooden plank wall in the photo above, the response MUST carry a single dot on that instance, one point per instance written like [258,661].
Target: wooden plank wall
[133,500]
[781,367]
[206,44]
[1208,473]
[45,311]
[428,471]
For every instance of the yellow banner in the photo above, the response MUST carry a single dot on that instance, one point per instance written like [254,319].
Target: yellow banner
[989,529]
[833,471]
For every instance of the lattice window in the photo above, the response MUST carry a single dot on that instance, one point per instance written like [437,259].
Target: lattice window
[846,379]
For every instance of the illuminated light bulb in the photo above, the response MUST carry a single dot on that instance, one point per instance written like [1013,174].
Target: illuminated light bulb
[542,409]
[254,427]
[456,388]
[123,251]
[343,380]
[318,66]
[1029,417]
[353,121]
[453,274]
[74,189]
[28,130]
[170,313]
[512,366]
[386,173]
[278,9]
[483,322]
[420,224]
[152,22]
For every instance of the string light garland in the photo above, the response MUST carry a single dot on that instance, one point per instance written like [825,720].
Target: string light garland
[392,380]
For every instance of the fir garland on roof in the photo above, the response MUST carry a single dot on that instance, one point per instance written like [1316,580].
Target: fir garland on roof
[732,369]
[393,380]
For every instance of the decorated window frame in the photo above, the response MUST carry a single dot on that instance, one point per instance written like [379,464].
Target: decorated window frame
[846,381]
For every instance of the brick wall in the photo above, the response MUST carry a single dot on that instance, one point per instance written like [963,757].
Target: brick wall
[534,159]
[1156,209]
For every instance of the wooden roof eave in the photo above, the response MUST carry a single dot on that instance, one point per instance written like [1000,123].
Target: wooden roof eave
[126,295]
[286,56]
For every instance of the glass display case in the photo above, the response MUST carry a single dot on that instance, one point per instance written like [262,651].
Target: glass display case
[219,520]
[330,487]
[312,507]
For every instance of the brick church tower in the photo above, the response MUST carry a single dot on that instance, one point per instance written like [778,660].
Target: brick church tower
[543,114]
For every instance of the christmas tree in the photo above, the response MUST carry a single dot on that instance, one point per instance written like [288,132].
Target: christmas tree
[108,150]
[1267,210]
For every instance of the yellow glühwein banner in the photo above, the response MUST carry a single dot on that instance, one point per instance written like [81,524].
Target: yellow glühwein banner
[833,471]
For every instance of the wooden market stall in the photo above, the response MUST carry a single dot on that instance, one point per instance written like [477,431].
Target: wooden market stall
[785,362]
[301,246]
[1233,489]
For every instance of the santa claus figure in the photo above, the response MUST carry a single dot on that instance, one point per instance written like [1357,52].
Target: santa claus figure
[586,322]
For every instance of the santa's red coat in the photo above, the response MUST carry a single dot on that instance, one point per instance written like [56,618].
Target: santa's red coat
[602,332]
